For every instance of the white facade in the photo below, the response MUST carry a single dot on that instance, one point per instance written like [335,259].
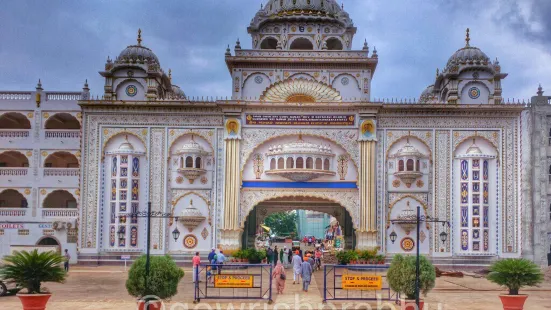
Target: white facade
[299,132]
[40,169]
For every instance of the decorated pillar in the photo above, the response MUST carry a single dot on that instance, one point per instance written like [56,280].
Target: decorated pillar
[366,235]
[230,233]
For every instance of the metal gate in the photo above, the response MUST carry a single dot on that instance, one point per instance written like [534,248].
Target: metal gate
[357,282]
[234,281]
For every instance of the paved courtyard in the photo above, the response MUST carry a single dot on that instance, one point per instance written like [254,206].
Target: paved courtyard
[103,288]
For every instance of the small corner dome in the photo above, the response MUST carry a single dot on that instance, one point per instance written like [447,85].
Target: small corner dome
[138,53]
[427,94]
[178,92]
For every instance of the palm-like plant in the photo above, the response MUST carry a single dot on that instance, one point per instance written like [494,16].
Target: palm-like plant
[31,269]
[515,273]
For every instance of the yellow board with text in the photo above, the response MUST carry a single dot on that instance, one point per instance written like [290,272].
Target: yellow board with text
[233,281]
[365,282]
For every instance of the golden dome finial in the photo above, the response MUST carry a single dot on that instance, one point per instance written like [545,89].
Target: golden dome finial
[467,38]
[139,36]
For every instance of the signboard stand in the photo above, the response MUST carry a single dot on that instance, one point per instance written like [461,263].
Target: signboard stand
[125,258]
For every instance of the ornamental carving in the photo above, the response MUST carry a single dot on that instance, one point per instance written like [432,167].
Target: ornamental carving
[342,166]
[258,165]
[348,199]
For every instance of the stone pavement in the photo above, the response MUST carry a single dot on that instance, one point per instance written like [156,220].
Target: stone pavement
[91,288]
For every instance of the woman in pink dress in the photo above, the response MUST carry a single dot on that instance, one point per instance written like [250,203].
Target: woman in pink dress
[279,275]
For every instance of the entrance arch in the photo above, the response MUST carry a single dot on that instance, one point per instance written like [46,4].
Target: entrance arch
[255,216]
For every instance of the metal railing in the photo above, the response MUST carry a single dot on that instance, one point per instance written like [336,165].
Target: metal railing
[14,133]
[66,96]
[13,212]
[233,281]
[59,133]
[59,212]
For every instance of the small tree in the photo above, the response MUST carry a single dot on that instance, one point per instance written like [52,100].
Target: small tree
[31,269]
[401,275]
[515,273]
[163,279]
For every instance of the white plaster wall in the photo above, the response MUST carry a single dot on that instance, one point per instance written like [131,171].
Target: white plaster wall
[484,93]
[349,91]
[202,244]
[140,85]
[253,89]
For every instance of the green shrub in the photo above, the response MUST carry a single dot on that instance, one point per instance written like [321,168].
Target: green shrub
[255,256]
[344,257]
[163,279]
[401,275]
[515,273]
[368,254]
[238,254]
[31,269]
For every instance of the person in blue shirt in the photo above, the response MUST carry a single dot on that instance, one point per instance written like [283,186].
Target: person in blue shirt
[211,254]
[220,260]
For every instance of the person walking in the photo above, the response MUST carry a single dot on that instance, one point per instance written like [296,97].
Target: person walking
[270,255]
[196,260]
[211,254]
[276,255]
[220,259]
[306,272]
[279,275]
[67,259]
[290,257]
[281,255]
[297,267]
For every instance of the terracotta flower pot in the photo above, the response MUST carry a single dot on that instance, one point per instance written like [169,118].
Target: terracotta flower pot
[513,302]
[153,305]
[409,304]
[34,301]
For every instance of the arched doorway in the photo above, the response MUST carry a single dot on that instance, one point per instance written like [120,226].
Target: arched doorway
[48,241]
[285,204]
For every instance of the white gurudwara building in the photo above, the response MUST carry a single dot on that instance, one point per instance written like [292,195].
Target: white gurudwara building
[300,131]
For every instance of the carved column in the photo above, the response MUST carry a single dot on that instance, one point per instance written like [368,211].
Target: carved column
[230,233]
[366,235]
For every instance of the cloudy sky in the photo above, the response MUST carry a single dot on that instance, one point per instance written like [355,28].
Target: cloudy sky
[66,42]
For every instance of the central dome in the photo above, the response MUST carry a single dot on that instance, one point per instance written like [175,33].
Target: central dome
[138,53]
[281,6]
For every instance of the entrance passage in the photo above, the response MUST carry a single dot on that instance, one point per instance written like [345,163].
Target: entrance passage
[332,218]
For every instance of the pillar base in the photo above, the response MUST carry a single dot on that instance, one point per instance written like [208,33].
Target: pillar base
[230,239]
[366,240]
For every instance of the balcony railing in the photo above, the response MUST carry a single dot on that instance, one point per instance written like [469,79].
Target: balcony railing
[12,212]
[60,212]
[61,172]
[62,134]
[72,96]
[15,96]
[14,171]
[14,133]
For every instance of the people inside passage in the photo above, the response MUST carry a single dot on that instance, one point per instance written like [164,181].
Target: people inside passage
[276,255]
[297,267]
[279,275]
[306,271]
[196,260]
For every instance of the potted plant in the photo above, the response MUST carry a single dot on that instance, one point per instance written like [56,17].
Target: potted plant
[380,259]
[162,282]
[345,257]
[401,278]
[256,256]
[514,273]
[30,270]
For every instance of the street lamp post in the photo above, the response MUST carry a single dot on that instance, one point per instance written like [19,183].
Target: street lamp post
[417,221]
[175,234]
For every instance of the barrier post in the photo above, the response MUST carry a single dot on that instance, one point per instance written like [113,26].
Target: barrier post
[324,284]
[270,286]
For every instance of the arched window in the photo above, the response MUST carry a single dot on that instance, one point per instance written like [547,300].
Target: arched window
[301,44]
[290,163]
[309,163]
[60,199]
[14,120]
[334,44]
[417,168]
[61,160]
[189,162]
[300,163]
[268,44]
[11,198]
[281,163]
[48,241]
[62,121]
[13,159]
[272,164]
[326,164]
[198,162]
[409,165]
[401,165]
[319,164]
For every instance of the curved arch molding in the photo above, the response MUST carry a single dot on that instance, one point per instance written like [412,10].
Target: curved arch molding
[285,90]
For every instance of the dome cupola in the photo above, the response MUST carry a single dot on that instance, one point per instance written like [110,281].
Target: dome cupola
[137,53]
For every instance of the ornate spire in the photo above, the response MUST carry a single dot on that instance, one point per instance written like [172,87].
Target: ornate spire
[237,44]
[170,75]
[366,47]
[139,36]
[540,91]
[39,85]
[228,52]
[467,38]
[85,88]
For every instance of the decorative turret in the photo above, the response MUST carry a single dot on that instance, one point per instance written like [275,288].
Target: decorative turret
[192,160]
[408,161]
[191,217]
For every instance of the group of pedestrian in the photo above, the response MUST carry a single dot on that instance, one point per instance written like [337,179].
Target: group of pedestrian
[216,260]
[275,255]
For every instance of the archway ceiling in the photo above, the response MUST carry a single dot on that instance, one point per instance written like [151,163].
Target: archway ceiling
[292,90]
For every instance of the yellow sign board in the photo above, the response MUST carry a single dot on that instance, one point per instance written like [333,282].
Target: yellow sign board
[233,281]
[365,283]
